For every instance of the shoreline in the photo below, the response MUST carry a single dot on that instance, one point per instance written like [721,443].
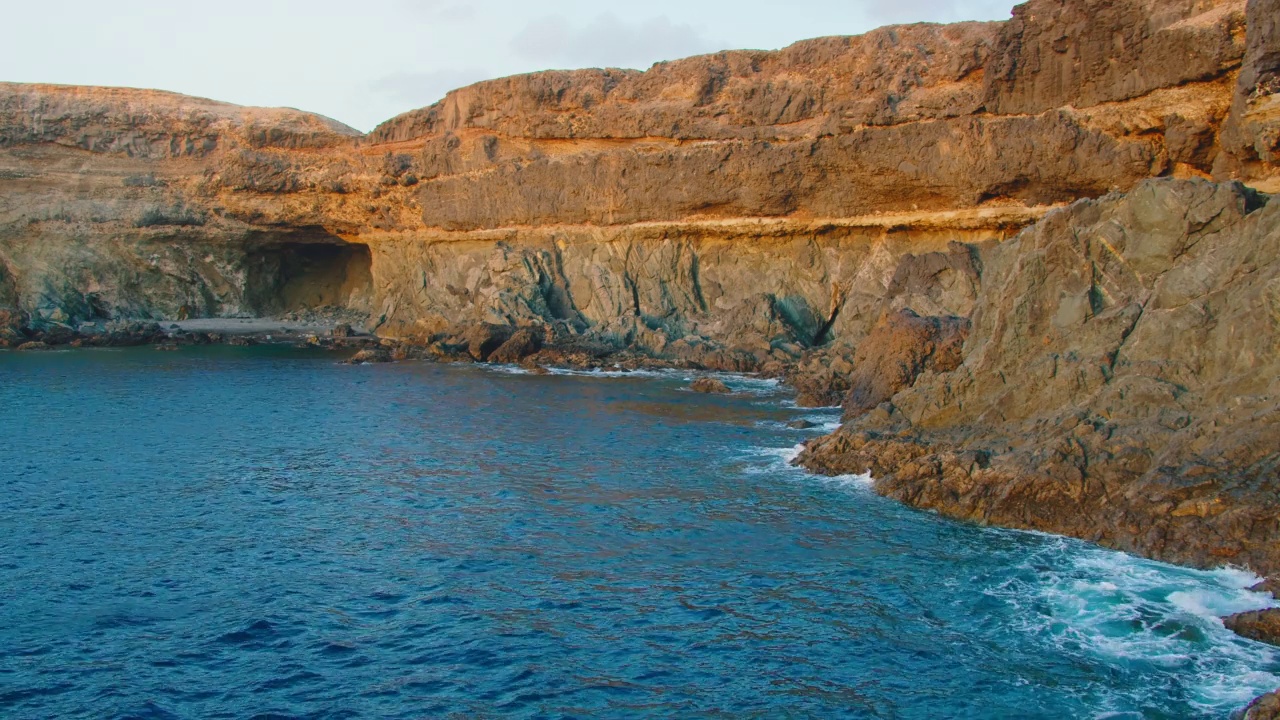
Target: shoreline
[548,360]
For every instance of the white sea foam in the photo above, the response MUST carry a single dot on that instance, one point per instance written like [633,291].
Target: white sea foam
[1130,610]
[737,382]
[777,462]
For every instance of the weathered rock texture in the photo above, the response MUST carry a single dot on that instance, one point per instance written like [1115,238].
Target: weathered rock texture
[1266,707]
[1262,625]
[1120,383]
[754,201]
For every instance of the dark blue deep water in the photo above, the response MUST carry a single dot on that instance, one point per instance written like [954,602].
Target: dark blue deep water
[234,533]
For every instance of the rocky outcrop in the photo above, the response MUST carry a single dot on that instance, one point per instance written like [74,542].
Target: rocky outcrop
[897,351]
[1262,625]
[1119,384]
[1251,135]
[1266,707]
[1057,53]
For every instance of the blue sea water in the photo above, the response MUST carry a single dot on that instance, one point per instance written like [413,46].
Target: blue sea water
[233,533]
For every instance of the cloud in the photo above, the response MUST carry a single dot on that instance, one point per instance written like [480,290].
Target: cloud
[423,88]
[609,41]
[909,11]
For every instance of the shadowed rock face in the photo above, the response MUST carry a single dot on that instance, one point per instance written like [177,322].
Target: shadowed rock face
[901,347]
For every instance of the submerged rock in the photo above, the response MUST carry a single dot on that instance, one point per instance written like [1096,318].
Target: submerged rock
[710,386]
[371,356]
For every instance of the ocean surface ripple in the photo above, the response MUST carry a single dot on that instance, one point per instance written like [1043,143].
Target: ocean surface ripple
[232,533]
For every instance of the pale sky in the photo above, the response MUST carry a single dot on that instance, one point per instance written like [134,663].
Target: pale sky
[364,62]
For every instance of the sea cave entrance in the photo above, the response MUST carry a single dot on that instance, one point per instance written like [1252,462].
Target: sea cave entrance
[307,272]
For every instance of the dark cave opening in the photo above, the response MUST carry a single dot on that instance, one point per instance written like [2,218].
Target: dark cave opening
[308,273]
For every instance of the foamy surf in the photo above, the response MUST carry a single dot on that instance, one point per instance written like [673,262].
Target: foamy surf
[738,383]
[777,462]
[1124,609]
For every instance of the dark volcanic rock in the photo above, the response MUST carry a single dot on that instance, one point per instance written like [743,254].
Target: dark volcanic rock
[484,339]
[522,344]
[1262,625]
[130,333]
[371,356]
[1270,585]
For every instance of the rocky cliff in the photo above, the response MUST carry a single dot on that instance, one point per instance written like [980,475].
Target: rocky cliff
[1119,383]
[744,200]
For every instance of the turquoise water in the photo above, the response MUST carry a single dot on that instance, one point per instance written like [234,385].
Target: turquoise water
[229,533]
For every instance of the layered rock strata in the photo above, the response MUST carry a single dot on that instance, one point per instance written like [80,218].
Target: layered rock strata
[759,202]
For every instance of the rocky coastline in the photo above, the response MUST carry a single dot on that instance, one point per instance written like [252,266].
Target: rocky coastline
[1037,262]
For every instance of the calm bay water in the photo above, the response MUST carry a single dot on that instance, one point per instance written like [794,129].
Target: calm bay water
[237,533]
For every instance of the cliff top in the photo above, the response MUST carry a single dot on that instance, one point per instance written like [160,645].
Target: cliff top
[153,122]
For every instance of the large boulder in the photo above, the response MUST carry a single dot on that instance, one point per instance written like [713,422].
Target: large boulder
[483,339]
[522,344]
[902,346]
[710,386]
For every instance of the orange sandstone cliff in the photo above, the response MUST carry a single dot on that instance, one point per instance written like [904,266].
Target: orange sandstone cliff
[742,200]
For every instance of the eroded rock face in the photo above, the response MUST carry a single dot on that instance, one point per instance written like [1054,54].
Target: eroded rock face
[1119,383]
[1076,52]
[893,355]
[629,204]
